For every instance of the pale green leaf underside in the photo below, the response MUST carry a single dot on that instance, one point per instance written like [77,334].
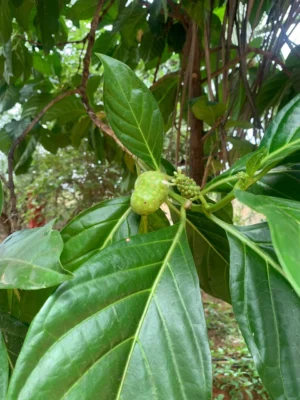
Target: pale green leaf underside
[29,259]
[132,111]
[284,220]
[129,326]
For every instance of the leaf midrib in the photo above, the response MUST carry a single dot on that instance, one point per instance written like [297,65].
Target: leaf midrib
[139,127]
[150,298]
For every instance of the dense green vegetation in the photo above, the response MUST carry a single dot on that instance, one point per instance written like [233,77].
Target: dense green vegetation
[102,298]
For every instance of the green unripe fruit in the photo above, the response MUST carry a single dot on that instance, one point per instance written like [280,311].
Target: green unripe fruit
[150,191]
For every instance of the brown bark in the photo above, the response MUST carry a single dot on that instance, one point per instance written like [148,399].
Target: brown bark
[196,161]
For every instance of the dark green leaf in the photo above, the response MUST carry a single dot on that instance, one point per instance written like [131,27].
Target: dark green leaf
[24,13]
[281,139]
[210,249]
[152,46]
[80,129]
[132,112]
[130,20]
[35,104]
[3,368]
[5,21]
[29,259]
[272,91]
[96,228]
[48,21]
[110,333]
[24,304]
[66,110]
[283,181]
[165,95]
[267,310]
[14,333]
[176,37]
[104,44]
[208,111]
[82,9]
[25,155]
[9,95]
[284,219]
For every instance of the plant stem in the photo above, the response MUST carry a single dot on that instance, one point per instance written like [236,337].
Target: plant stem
[145,223]
[222,203]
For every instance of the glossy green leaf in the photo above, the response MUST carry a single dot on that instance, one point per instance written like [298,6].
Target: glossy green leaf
[284,220]
[96,228]
[8,96]
[48,21]
[132,112]
[267,310]
[29,259]
[283,181]
[3,368]
[13,333]
[210,249]
[5,21]
[208,111]
[131,310]
[281,139]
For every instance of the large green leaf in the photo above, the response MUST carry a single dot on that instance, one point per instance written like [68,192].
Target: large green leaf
[29,259]
[283,181]
[3,368]
[48,21]
[281,139]
[210,249]
[5,21]
[13,332]
[284,220]
[132,111]
[130,324]
[96,228]
[267,310]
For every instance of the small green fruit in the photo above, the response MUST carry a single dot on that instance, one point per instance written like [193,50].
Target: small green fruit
[150,191]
